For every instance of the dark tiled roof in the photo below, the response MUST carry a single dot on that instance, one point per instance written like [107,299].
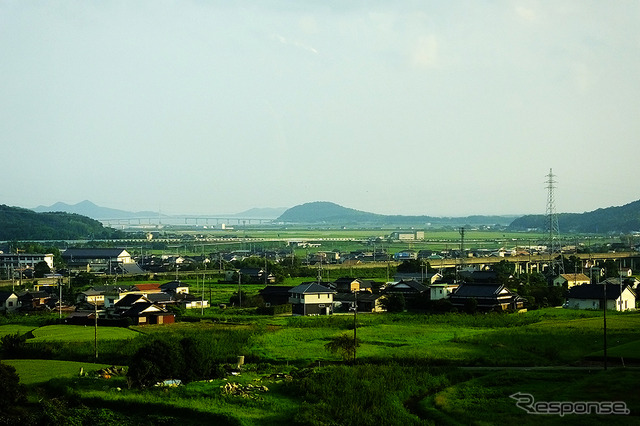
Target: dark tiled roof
[595,291]
[4,295]
[414,287]
[98,253]
[479,290]
[160,297]
[172,285]
[130,299]
[275,289]
[313,287]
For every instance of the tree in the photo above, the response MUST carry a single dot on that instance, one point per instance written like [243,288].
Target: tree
[11,391]
[41,269]
[410,266]
[343,345]
[196,365]
[393,302]
[155,362]
[504,271]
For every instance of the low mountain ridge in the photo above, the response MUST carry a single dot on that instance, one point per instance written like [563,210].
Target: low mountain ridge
[624,218]
[324,212]
[25,224]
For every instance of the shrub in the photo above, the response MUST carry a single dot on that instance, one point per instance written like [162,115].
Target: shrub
[13,345]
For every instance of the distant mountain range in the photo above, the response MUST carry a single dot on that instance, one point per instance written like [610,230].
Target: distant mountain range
[89,209]
[606,220]
[323,212]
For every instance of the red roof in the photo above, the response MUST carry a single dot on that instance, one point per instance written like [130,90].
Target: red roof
[148,287]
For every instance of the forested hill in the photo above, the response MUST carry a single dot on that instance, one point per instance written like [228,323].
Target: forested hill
[22,224]
[323,212]
[611,219]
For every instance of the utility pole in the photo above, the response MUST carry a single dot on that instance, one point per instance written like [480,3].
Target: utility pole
[95,328]
[355,325]
[604,290]
[462,248]
[239,292]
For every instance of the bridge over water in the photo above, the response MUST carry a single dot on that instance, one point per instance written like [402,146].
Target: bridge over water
[161,221]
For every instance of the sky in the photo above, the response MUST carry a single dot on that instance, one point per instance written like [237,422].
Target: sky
[432,108]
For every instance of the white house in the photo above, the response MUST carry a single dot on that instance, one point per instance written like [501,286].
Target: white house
[571,280]
[8,301]
[441,291]
[591,296]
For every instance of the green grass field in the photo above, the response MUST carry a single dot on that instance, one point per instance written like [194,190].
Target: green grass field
[78,333]
[36,371]
[15,328]
[412,369]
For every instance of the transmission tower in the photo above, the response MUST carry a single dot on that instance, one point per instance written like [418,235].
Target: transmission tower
[556,265]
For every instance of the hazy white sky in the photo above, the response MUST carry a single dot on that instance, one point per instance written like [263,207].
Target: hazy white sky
[442,108]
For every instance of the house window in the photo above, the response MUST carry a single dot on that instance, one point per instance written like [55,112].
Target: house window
[321,305]
[10,304]
[318,296]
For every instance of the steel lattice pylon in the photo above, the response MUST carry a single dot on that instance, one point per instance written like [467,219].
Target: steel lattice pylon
[556,265]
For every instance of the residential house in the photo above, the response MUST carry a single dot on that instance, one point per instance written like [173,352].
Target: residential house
[36,300]
[425,278]
[274,295]
[189,301]
[249,275]
[146,288]
[406,288]
[571,280]
[311,298]
[175,287]
[366,302]
[349,285]
[92,297]
[487,296]
[8,301]
[141,310]
[592,296]
[441,290]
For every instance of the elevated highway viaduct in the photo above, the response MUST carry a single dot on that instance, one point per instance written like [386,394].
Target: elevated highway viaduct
[537,263]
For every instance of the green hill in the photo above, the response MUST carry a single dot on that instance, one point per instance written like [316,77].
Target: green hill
[323,212]
[611,219]
[22,224]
